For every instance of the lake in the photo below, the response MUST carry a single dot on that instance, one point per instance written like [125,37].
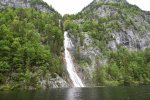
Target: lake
[96,93]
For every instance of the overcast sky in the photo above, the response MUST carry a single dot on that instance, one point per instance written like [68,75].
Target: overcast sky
[74,6]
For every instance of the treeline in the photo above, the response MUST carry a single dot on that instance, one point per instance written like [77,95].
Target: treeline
[30,41]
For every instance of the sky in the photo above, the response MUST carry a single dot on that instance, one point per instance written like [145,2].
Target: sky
[75,6]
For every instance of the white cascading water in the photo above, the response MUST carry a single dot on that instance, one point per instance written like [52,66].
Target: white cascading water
[69,62]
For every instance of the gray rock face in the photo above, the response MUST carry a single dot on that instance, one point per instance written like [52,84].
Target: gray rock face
[87,59]
[134,36]
[56,82]
[105,10]
[41,6]
[109,0]
[15,3]
[131,39]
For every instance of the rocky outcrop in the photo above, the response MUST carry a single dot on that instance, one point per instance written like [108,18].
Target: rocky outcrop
[133,38]
[56,82]
[14,3]
[38,5]
[136,35]
[86,57]
[109,0]
[130,39]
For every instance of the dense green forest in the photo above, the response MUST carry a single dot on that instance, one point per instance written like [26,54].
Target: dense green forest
[31,43]
[125,68]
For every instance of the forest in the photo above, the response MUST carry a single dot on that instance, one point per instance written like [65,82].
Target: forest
[31,43]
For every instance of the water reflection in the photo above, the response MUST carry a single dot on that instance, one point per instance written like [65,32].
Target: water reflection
[74,94]
[105,93]
[83,94]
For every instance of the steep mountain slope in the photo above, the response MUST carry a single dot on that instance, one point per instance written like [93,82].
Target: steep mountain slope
[31,39]
[110,37]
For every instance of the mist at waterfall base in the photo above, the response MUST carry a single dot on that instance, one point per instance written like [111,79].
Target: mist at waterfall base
[77,82]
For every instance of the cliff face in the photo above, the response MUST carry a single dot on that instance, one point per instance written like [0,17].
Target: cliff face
[107,25]
[15,3]
[37,4]
[133,23]
[109,1]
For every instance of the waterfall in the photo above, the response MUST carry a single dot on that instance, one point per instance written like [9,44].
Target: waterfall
[69,63]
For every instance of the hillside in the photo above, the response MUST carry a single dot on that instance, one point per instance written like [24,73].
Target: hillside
[31,39]
[112,40]
[110,45]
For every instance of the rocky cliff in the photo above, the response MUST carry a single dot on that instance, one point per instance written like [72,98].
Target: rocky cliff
[107,25]
[133,23]
[109,1]
[37,4]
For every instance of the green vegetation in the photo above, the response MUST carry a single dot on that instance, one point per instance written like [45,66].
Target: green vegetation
[69,25]
[125,68]
[31,44]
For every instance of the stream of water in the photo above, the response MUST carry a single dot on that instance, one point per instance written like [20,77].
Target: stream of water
[77,82]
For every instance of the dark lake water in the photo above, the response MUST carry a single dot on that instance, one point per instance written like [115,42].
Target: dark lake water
[102,93]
